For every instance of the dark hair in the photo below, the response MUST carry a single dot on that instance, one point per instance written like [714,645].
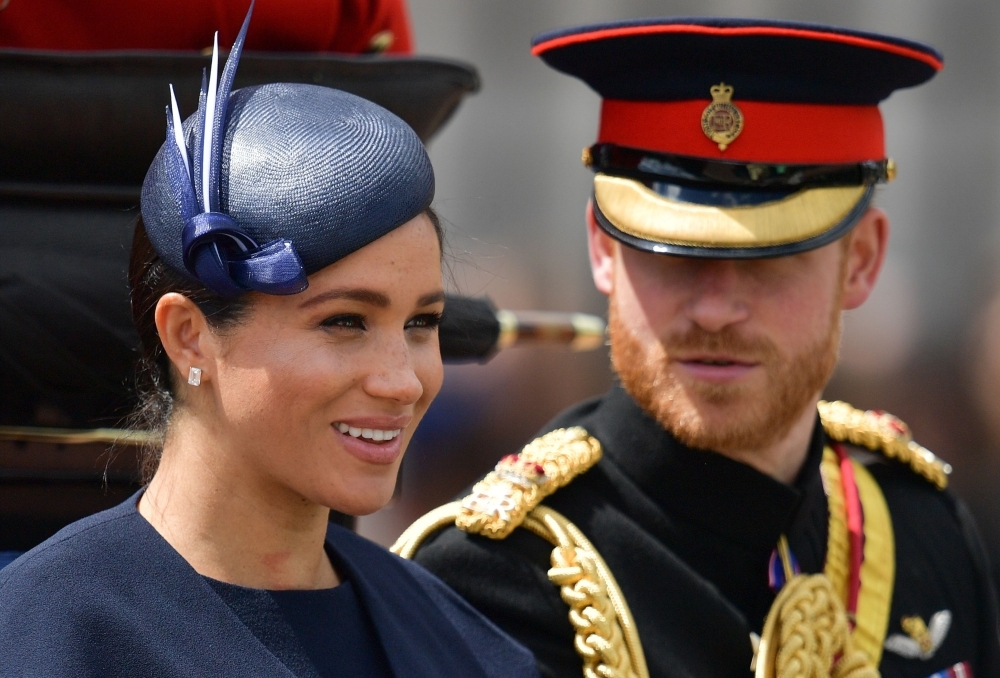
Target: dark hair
[149,279]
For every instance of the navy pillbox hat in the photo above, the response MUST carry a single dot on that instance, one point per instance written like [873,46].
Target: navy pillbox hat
[735,138]
[268,184]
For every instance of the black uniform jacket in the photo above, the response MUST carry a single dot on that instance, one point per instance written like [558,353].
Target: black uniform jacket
[688,535]
[108,596]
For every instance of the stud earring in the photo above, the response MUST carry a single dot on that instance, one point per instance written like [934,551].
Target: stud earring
[194,376]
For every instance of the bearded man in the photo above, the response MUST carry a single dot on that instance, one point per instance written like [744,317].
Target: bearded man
[711,516]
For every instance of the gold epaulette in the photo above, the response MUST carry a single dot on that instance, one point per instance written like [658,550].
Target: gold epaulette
[882,432]
[509,497]
[499,502]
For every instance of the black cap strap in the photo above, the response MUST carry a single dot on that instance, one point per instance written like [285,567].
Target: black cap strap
[649,166]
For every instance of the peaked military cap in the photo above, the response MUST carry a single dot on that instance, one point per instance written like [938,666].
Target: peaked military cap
[735,138]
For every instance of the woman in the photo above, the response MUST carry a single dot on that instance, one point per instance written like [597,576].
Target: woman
[287,288]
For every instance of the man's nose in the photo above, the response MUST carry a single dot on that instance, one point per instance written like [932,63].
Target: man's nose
[718,295]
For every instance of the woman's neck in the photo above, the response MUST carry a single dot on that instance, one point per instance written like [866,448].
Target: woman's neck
[231,523]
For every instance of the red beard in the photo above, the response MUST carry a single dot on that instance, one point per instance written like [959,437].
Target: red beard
[754,417]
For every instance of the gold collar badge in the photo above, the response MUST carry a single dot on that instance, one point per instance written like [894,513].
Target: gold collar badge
[722,121]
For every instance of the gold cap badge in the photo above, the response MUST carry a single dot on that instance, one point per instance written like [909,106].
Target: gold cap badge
[722,121]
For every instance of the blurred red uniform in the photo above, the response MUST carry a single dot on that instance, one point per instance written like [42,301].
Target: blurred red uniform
[349,26]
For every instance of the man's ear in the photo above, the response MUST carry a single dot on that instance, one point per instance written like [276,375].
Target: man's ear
[184,334]
[865,252]
[602,253]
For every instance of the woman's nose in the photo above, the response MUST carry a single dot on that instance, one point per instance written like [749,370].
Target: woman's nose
[393,376]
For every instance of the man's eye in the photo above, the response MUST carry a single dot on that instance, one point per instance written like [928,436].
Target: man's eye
[425,320]
[350,322]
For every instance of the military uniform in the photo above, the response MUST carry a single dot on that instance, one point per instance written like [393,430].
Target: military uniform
[689,536]
[610,548]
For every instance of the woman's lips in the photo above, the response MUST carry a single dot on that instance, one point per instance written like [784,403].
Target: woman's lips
[381,453]
[719,370]
[375,440]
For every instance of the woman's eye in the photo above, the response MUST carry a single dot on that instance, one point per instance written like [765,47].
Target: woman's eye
[348,322]
[425,321]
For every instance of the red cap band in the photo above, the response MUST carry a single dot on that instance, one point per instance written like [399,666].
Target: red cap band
[771,132]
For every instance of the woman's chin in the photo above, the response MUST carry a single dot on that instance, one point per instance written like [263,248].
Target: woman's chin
[362,501]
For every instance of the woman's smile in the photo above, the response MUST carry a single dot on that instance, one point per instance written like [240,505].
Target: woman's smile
[375,440]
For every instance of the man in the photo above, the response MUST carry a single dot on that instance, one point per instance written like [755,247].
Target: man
[711,513]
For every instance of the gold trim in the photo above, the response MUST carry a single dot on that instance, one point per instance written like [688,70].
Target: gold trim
[878,570]
[69,436]
[837,567]
[607,638]
[639,211]
[807,634]
[882,432]
[807,631]
[499,502]
[890,170]
[407,543]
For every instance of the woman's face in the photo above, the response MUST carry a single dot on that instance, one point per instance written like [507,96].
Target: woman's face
[320,392]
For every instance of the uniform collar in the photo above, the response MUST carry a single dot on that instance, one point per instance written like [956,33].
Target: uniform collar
[706,489]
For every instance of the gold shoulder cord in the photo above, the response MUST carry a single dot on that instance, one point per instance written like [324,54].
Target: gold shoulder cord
[509,497]
[807,629]
[882,432]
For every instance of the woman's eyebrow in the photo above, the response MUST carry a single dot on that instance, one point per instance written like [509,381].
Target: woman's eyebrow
[367,296]
[361,294]
[432,298]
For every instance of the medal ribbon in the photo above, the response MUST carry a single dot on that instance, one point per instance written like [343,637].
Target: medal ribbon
[855,530]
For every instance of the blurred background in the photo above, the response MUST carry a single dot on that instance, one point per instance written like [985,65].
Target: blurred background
[512,192]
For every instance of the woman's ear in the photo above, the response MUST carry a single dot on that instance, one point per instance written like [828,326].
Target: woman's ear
[184,334]
[865,253]
[602,253]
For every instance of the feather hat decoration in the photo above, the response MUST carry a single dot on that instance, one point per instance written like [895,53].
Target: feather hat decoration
[216,250]
[311,172]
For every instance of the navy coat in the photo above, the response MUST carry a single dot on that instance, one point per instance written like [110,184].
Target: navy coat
[108,596]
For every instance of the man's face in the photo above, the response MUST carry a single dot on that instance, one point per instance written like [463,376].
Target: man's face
[728,354]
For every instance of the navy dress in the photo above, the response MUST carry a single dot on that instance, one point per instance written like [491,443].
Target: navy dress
[108,596]
[316,634]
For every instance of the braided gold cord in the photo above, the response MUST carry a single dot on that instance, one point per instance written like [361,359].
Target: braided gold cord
[605,638]
[838,544]
[407,544]
[806,632]
[882,432]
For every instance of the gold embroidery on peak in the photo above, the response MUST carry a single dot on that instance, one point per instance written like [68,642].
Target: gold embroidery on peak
[882,432]
[499,502]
